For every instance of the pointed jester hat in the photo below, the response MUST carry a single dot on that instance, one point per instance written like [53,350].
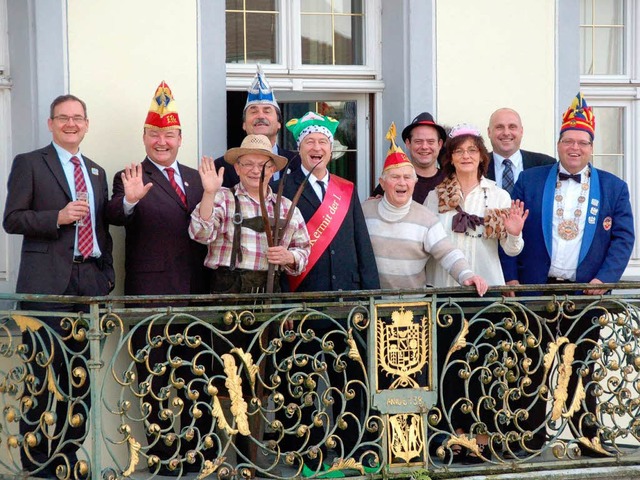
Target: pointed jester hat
[579,116]
[163,113]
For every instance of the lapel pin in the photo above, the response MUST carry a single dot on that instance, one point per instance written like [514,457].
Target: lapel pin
[186,184]
[606,223]
[94,170]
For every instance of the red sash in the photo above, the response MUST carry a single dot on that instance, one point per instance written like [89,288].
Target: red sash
[325,223]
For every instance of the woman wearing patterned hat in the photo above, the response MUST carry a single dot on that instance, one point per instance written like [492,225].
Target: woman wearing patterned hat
[479,216]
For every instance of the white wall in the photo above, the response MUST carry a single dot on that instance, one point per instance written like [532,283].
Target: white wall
[118,53]
[498,54]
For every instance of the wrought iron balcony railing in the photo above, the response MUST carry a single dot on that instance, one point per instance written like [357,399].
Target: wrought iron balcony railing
[374,384]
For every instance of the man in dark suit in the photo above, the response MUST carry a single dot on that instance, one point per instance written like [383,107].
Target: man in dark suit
[507,161]
[341,254]
[261,116]
[579,230]
[154,201]
[55,199]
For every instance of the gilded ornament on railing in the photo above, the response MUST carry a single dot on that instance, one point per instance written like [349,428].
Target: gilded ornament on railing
[596,445]
[233,383]
[348,464]
[406,437]
[461,339]
[25,323]
[247,359]
[403,347]
[134,456]
[464,441]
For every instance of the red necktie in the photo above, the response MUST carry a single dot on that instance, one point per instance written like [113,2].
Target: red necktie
[172,180]
[85,229]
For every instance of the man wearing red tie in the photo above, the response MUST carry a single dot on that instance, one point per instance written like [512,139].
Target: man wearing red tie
[55,199]
[154,201]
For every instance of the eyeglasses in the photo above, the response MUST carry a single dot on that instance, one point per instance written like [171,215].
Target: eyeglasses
[65,118]
[458,152]
[566,142]
[259,166]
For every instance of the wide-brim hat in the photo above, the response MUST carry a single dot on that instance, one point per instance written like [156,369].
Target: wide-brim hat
[257,144]
[424,119]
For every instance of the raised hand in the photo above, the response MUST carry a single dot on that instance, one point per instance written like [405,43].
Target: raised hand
[211,180]
[134,188]
[515,217]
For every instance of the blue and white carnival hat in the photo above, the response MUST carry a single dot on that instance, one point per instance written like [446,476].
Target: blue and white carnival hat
[260,92]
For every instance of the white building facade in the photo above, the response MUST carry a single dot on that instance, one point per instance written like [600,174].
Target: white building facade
[368,63]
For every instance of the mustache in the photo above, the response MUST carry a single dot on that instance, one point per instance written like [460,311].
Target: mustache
[261,121]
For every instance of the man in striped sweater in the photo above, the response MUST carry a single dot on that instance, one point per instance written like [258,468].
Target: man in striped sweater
[405,234]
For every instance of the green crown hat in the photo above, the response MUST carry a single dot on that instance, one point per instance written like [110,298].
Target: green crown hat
[312,122]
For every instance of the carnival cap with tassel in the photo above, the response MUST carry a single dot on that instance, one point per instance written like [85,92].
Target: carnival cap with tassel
[396,157]
[579,116]
[163,112]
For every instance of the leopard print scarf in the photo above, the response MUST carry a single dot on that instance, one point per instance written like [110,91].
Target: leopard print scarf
[449,198]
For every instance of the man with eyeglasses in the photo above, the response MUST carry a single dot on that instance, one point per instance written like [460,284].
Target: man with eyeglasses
[580,230]
[261,116]
[232,222]
[424,140]
[153,200]
[56,199]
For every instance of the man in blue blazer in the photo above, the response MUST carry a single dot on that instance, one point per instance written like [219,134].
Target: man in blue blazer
[505,132]
[579,230]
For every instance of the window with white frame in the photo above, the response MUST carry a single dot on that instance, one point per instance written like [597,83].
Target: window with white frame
[321,53]
[609,65]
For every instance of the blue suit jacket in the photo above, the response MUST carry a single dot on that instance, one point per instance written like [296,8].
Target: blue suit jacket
[604,254]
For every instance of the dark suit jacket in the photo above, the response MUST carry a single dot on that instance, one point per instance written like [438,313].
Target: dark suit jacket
[160,258]
[348,262]
[231,178]
[37,191]
[529,160]
[604,253]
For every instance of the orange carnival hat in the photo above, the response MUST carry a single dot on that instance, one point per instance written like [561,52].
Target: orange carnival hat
[163,113]
[395,156]
[579,116]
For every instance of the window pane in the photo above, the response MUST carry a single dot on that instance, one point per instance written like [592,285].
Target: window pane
[586,56]
[315,6]
[608,146]
[252,37]
[235,38]
[344,162]
[348,51]
[602,37]
[586,12]
[608,46]
[261,38]
[317,41]
[609,12]
[347,6]
[234,5]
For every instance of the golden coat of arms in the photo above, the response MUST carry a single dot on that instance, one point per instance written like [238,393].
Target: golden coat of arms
[402,347]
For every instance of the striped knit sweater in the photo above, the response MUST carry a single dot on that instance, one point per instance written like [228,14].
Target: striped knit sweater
[403,244]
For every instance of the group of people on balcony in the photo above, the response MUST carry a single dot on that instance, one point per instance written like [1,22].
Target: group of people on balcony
[261,218]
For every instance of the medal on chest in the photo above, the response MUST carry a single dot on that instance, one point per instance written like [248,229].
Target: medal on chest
[568,229]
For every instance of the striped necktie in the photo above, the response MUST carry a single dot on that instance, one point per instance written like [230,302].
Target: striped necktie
[172,180]
[85,228]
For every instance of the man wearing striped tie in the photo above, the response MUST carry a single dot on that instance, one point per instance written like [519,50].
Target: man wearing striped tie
[55,199]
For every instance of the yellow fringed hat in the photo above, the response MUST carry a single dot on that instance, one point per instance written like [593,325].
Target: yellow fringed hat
[395,156]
